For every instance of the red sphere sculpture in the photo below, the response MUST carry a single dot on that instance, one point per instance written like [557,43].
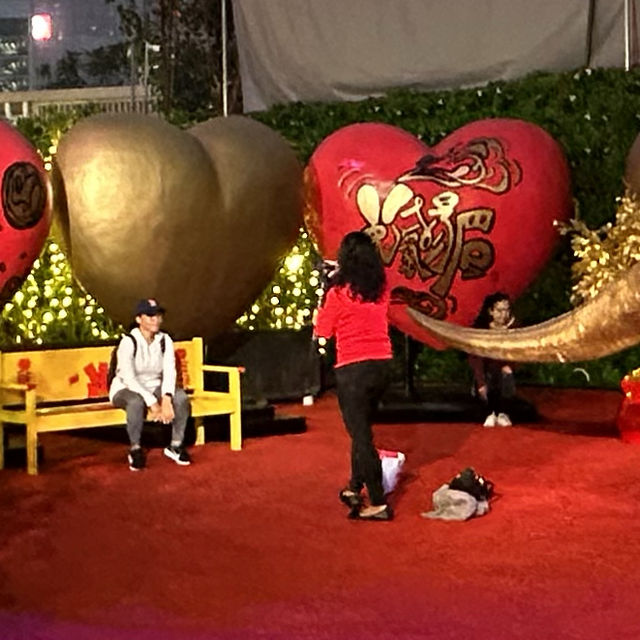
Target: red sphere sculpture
[25,205]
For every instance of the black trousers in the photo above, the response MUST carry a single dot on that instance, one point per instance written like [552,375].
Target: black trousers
[360,386]
[501,389]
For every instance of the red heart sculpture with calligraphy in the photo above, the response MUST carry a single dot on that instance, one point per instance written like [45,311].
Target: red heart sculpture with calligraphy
[25,205]
[455,222]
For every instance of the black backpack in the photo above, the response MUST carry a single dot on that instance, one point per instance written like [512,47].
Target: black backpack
[474,484]
[113,361]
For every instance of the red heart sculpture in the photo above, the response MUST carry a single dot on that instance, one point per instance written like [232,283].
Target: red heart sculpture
[473,215]
[25,205]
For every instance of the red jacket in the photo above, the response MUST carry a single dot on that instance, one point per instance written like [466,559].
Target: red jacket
[361,328]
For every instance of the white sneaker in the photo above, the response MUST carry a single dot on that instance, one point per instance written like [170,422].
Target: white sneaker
[503,420]
[490,421]
[178,454]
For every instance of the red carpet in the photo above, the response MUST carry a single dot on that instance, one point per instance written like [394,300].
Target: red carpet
[256,545]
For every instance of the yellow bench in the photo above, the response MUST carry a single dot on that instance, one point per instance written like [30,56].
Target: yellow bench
[62,389]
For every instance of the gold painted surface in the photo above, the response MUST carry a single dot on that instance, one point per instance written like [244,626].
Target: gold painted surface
[197,219]
[605,324]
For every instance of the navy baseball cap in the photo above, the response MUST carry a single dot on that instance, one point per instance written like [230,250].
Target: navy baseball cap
[148,307]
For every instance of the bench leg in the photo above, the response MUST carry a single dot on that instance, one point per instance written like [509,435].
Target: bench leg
[32,451]
[235,422]
[199,424]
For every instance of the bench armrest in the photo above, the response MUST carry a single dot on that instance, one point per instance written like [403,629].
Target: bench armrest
[29,391]
[222,369]
[15,386]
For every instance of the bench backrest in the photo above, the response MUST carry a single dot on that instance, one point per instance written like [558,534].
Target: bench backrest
[81,373]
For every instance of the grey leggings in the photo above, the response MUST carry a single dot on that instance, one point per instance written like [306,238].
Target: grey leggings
[136,409]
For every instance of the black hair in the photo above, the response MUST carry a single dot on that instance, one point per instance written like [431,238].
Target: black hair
[360,267]
[483,319]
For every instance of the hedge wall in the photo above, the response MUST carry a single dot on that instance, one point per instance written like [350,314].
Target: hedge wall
[593,114]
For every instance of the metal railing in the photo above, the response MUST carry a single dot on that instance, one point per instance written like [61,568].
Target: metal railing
[122,99]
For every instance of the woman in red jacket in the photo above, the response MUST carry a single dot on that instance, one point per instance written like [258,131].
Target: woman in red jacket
[354,310]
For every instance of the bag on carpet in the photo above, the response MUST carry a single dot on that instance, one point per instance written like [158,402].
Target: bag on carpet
[473,483]
[392,462]
[465,496]
[450,504]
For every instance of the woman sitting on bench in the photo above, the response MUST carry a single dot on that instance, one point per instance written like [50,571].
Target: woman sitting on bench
[145,384]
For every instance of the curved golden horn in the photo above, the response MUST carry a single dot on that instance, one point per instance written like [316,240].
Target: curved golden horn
[606,324]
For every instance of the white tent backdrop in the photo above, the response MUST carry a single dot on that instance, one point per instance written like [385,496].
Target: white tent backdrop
[323,50]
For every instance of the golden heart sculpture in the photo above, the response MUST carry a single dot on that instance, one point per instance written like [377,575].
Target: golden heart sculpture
[198,219]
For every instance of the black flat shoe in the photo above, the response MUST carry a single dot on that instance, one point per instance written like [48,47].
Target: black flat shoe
[385,514]
[350,498]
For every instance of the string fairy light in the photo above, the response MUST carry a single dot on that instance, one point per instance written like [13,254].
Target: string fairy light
[51,308]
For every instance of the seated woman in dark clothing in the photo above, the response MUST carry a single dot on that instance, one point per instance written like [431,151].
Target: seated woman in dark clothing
[494,382]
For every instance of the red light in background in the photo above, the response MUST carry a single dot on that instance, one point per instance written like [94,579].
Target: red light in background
[41,27]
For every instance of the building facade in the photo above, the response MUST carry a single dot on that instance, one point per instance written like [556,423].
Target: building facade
[77,26]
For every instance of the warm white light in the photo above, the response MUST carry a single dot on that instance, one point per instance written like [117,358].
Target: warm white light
[41,27]
[294,262]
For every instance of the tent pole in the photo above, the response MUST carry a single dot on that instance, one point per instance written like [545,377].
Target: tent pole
[627,57]
[225,73]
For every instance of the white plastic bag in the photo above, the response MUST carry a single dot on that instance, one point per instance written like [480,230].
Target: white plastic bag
[392,462]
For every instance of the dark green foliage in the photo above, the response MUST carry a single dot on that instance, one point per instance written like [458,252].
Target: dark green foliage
[107,65]
[68,72]
[185,73]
